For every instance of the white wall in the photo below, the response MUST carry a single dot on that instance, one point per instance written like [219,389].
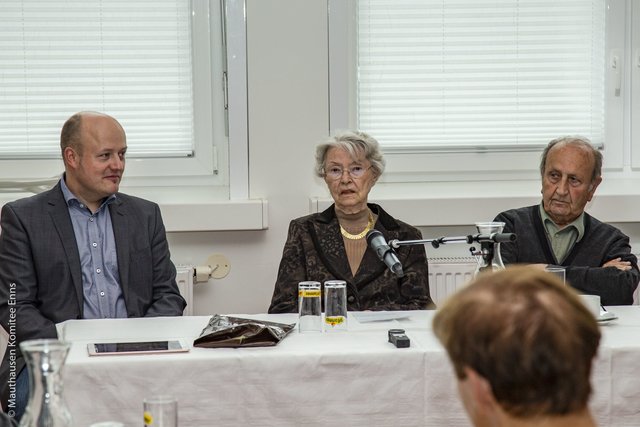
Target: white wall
[288,115]
[288,102]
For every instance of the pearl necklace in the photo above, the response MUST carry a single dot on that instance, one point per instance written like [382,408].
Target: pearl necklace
[360,235]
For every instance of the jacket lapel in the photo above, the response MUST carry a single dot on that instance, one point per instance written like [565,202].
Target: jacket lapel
[329,246]
[121,233]
[62,222]
[545,244]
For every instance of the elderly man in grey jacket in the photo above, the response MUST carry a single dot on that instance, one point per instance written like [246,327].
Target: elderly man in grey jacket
[597,256]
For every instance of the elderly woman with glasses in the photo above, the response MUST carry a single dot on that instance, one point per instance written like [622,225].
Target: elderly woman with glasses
[333,244]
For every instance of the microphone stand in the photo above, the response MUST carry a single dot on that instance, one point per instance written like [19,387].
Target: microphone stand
[487,242]
[395,243]
[487,253]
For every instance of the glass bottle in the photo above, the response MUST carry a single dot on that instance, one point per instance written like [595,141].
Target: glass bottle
[45,359]
[489,257]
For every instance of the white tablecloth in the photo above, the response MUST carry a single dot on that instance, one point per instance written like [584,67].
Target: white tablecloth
[355,378]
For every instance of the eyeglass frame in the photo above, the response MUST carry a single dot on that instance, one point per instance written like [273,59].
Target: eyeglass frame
[348,170]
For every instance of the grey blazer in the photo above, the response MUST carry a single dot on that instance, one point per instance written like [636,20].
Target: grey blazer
[40,273]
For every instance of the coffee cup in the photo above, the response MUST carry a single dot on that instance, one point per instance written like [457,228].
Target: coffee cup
[592,302]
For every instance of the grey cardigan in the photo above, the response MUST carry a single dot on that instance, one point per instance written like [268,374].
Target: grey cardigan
[601,243]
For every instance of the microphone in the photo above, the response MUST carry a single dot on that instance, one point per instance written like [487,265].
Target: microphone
[376,241]
[493,237]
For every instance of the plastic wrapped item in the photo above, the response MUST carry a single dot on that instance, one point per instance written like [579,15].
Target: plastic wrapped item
[228,331]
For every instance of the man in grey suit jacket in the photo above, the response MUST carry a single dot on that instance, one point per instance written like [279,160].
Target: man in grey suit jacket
[80,250]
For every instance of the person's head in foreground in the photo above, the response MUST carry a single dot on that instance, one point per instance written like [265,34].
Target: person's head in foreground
[521,344]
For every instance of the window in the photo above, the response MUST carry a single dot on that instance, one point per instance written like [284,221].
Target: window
[130,59]
[453,88]
[157,67]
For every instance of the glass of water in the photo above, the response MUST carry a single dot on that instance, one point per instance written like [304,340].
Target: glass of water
[557,271]
[160,411]
[309,307]
[335,305]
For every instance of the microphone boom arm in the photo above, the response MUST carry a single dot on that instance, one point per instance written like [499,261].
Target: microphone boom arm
[395,243]
[480,238]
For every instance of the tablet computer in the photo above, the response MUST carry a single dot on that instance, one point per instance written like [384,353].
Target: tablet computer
[137,347]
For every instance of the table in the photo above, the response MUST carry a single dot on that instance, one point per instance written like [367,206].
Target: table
[355,378]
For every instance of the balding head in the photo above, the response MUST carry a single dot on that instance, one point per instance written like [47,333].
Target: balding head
[93,146]
[75,127]
[577,141]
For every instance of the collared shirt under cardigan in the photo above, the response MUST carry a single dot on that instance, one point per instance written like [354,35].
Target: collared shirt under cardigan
[315,251]
[562,239]
[601,243]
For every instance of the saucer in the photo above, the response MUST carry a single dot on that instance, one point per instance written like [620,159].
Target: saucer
[606,316]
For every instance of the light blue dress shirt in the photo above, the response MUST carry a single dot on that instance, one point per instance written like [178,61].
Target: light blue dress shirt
[98,258]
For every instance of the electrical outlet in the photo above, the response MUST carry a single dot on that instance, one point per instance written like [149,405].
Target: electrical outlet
[219,264]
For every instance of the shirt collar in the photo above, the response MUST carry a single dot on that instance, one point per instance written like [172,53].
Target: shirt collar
[70,198]
[577,224]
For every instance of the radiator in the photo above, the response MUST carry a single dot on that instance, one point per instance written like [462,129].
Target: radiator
[447,275]
[184,278]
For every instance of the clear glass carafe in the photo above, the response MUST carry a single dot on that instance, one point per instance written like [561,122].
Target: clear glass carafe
[489,257]
[45,360]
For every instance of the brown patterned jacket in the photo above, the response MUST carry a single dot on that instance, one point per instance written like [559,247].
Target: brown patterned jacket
[315,251]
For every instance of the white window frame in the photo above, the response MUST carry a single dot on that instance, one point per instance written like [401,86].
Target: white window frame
[237,98]
[634,84]
[220,139]
[420,166]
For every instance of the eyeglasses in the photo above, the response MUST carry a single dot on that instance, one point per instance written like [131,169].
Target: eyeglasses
[336,172]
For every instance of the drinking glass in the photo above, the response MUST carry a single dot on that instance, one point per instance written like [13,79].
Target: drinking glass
[335,305]
[557,271]
[310,310]
[160,411]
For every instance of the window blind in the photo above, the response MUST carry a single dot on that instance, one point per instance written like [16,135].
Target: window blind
[128,58]
[483,74]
